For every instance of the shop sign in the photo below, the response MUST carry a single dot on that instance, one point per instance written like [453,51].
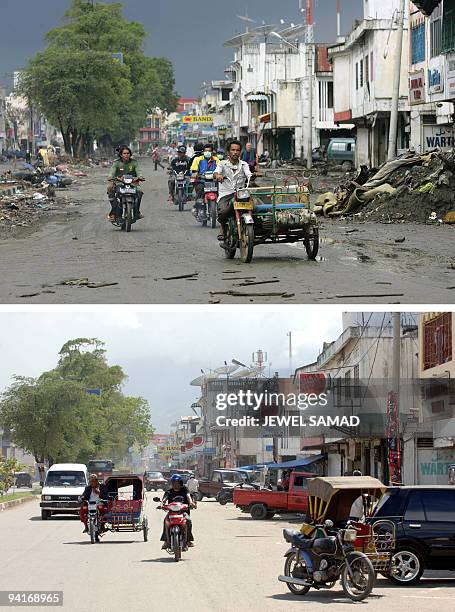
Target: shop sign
[417,87]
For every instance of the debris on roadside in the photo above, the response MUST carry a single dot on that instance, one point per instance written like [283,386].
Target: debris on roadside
[412,187]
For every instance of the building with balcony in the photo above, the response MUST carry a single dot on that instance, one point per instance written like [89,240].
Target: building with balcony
[357,369]
[363,71]
[152,133]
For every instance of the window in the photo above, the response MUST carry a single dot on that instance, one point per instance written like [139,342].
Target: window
[225,95]
[371,67]
[330,94]
[300,482]
[436,31]
[448,28]
[347,385]
[415,510]
[418,43]
[361,72]
[356,75]
[439,505]
[437,340]
[367,75]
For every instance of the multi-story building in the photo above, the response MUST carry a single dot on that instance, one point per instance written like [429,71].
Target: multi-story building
[2,118]
[216,102]
[357,368]
[272,72]
[151,134]
[435,450]
[432,74]
[363,71]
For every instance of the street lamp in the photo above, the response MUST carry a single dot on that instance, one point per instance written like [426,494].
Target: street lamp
[309,135]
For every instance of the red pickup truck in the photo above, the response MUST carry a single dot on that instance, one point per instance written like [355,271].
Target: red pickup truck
[263,503]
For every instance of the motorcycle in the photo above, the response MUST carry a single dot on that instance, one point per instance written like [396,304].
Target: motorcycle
[240,227]
[175,521]
[126,194]
[205,210]
[180,191]
[319,562]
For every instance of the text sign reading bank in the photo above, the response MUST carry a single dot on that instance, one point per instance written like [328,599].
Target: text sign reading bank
[198,119]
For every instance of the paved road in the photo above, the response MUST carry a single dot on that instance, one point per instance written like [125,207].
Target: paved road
[234,566]
[358,263]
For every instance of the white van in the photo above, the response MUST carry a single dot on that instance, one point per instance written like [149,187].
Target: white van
[64,483]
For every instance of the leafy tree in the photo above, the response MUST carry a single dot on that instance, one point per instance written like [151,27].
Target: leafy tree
[7,469]
[80,88]
[55,418]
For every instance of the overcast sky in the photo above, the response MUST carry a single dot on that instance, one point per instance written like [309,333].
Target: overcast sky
[162,352]
[191,33]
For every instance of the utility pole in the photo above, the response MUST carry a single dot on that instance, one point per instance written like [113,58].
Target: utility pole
[393,408]
[393,131]
[289,334]
[309,49]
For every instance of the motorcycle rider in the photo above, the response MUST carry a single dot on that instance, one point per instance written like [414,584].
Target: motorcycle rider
[232,173]
[94,491]
[192,484]
[181,163]
[178,490]
[207,162]
[124,165]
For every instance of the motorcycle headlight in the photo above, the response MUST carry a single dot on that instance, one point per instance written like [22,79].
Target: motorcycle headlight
[243,194]
[349,535]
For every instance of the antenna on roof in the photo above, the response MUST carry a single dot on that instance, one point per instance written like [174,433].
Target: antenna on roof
[246,18]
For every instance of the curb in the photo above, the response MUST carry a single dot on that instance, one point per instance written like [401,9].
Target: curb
[17,502]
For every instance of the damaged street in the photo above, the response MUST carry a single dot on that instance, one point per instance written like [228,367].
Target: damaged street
[67,252]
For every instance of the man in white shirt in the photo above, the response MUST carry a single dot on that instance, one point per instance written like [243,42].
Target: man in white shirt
[192,484]
[232,174]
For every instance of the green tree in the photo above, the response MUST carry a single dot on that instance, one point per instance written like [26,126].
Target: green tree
[80,88]
[55,418]
[7,469]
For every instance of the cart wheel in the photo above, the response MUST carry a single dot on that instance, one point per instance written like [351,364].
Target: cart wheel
[311,242]
[145,529]
[247,243]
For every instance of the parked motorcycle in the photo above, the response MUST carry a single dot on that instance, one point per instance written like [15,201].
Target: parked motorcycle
[180,192]
[205,210]
[319,562]
[175,521]
[126,194]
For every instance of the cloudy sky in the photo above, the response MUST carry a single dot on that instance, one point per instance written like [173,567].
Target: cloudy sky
[162,352]
[190,33]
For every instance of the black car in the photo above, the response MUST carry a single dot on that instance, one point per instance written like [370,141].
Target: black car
[425,529]
[23,479]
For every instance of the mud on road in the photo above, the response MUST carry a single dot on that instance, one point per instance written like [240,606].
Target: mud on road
[74,255]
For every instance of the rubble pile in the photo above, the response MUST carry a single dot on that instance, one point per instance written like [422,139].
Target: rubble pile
[21,203]
[412,187]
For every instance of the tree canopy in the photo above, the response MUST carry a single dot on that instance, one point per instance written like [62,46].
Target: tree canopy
[83,89]
[77,411]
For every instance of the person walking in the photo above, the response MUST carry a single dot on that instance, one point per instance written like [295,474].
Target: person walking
[156,158]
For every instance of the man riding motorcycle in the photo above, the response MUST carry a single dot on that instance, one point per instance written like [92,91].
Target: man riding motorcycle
[181,163]
[232,173]
[178,490]
[94,491]
[124,165]
[207,162]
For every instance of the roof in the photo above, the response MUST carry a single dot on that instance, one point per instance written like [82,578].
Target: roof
[324,487]
[68,466]
[296,463]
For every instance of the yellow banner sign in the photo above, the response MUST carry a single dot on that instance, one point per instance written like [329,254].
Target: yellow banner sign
[198,119]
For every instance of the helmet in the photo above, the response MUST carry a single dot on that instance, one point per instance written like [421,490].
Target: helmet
[198,147]
[181,149]
[357,473]
[176,478]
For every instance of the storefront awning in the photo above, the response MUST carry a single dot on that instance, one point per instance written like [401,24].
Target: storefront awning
[304,461]
[426,6]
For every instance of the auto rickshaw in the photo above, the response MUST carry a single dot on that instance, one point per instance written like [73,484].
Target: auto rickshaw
[333,498]
[125,509]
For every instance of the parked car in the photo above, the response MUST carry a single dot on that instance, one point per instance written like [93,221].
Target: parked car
[452,474]
[219,479]
[342,151]
[23,479]
[425,529]
[265,503]
[64,484]
[155,481]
